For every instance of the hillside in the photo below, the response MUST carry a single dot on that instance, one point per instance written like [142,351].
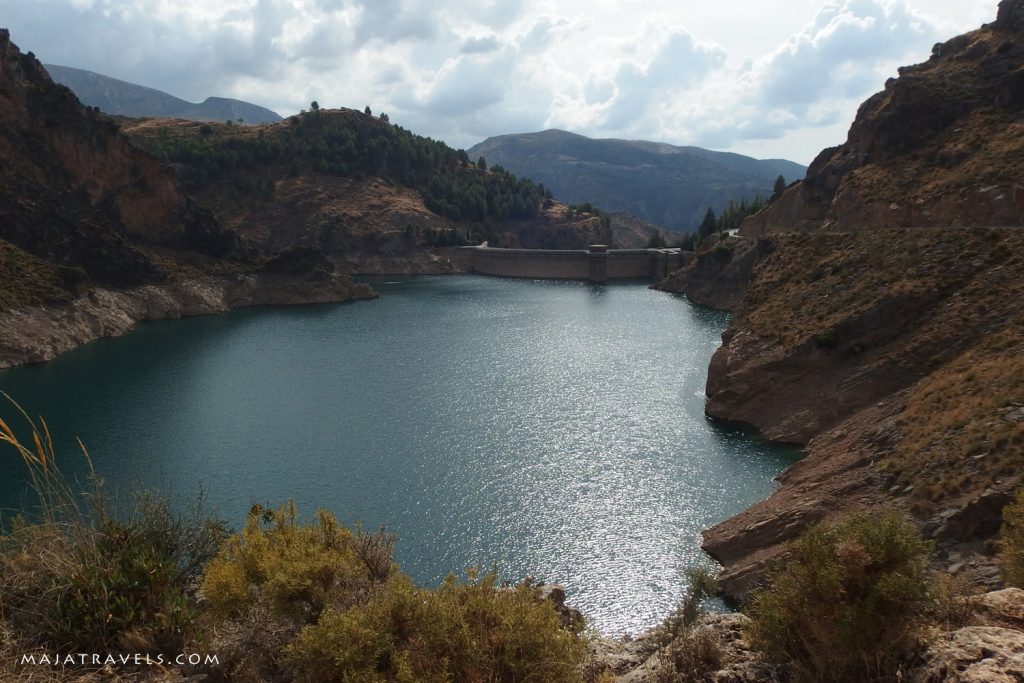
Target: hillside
[879,316]
[669,186]
[121,98]
[96,234]
[371,195]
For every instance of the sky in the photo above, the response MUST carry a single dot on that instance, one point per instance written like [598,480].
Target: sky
[767,79]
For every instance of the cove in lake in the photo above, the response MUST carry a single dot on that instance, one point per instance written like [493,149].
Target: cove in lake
[553,429]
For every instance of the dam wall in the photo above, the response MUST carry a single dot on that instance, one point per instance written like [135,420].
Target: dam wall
[596,264]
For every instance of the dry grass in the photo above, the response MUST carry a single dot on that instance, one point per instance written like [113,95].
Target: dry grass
[940,311]
[688,650]
[26,279]
[76,579]
[963,427]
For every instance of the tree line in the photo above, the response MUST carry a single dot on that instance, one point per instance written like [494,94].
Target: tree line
[349,144]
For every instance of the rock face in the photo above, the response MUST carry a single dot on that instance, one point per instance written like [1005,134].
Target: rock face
[975,654]
[77,194]
[940,146]
[638,660]
[887,346]
[717,277]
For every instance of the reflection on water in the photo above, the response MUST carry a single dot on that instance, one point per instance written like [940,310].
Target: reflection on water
[553,428]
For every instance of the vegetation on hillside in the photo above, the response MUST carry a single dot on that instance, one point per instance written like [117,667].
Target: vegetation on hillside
[688,649]
[351,144]
[660,183]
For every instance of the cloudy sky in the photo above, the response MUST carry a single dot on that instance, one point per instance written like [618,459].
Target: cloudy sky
[769,79]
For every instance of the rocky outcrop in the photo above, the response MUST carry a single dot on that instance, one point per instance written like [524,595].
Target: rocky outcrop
[96,234]
[639,659]
[974,654]
[34,334]
[940,146]
[77,194]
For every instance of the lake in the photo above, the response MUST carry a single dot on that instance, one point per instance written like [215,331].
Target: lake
[549,429]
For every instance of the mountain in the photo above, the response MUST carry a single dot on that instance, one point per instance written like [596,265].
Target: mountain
[113,96]
[879,315]
[669,186]
[96,234]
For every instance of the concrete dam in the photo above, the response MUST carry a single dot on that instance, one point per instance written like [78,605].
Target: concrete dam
[597,263]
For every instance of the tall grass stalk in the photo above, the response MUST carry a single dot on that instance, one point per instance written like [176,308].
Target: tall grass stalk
[76,577]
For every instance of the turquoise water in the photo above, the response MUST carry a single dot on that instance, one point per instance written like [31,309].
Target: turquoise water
[555,429]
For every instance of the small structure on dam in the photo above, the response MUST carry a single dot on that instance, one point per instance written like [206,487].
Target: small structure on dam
[598,263]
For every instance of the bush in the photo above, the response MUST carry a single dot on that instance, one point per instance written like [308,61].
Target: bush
[463,631]
[298,569]
[1013,541]
[334,605]
[850,599]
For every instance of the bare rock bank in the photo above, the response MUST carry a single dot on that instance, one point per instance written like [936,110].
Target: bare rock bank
[38,333]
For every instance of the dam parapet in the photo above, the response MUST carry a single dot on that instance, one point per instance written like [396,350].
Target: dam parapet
[597,263]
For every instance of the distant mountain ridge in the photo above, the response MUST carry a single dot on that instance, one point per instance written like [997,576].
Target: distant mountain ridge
[114,96]
[667,185]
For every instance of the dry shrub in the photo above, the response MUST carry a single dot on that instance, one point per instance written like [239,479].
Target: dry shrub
[850,600]
[689,650]
[469,630]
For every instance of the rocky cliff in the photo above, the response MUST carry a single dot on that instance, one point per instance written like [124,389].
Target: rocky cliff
[879,316]
[77,194]
[941,145]
[86,219]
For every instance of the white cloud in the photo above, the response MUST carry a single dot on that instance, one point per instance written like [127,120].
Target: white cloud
[754,77]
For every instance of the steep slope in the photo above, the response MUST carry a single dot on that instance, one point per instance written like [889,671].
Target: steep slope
[871,329]
[667,185]
[85,215]
[79,196]
[118,97]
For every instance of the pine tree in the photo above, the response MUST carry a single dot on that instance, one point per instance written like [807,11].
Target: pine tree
[780,187]
[709,224]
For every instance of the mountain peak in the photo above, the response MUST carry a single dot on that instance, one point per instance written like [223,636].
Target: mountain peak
[667,185]
[114,96]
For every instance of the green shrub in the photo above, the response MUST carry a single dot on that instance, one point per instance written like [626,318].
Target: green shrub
[849,600]
[338,609]
[463,631]
[1013,541]
[298,568]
